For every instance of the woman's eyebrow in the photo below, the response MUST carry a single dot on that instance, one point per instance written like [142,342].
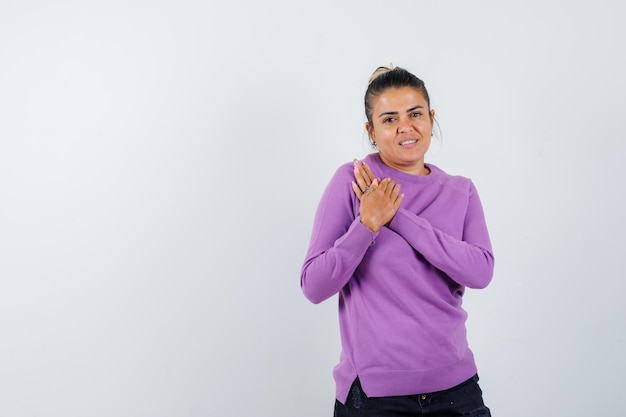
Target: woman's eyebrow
[395,112]
[387,113]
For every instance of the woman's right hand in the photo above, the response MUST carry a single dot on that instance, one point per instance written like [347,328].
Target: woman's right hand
[385,203]
[380,204]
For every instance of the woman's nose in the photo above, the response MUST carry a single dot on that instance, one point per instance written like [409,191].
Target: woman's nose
[405,125]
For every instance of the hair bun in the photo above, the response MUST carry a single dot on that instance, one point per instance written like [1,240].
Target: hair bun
[380,71]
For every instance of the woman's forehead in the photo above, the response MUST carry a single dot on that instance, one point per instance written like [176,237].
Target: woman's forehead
[401,97]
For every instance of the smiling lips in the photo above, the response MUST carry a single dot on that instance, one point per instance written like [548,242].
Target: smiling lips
[408,142]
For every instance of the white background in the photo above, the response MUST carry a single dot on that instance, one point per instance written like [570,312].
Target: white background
[161,162]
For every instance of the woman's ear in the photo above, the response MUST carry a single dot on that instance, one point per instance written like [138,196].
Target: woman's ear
[370,131]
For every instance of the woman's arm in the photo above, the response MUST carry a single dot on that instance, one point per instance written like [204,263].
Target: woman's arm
[468,261]
[338,241]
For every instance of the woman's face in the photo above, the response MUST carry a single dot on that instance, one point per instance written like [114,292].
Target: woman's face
[401,128]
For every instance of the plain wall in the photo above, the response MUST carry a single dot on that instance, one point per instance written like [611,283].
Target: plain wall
[161,163]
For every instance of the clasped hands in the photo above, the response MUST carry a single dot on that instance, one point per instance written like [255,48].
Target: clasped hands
[380,199]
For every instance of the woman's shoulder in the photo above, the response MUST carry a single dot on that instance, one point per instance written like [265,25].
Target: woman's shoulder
[341,178]
[459,182]
[345,170]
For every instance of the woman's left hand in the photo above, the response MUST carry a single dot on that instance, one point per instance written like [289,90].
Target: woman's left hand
[364,180]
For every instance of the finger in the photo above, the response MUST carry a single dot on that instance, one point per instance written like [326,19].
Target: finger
[364,172]
[367,172]
[395,191]
[387,186]
[359,177]
[398,201]
[357,190]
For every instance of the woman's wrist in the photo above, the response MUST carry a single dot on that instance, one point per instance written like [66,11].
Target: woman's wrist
[368,227]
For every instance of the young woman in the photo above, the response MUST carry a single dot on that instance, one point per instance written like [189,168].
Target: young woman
[399,240]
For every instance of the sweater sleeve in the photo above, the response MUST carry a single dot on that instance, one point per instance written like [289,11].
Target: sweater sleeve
[338,241]
[468,261]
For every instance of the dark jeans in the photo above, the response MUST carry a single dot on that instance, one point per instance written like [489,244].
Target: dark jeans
[466,399]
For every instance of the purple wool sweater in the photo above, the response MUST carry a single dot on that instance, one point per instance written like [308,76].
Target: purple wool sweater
[400,290]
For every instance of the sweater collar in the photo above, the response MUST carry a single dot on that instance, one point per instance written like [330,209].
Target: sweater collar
[381,170]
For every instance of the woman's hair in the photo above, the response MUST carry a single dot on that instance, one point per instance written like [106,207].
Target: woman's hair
[385,78]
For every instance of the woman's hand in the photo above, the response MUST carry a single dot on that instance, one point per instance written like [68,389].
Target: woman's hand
[380,200]
[364,180]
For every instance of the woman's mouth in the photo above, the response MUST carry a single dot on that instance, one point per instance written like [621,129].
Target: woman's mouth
[408,142]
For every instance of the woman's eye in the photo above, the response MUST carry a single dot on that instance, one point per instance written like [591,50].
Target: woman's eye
[388,119]
[416,114]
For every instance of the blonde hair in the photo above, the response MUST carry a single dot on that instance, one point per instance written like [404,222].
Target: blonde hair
[380,71]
